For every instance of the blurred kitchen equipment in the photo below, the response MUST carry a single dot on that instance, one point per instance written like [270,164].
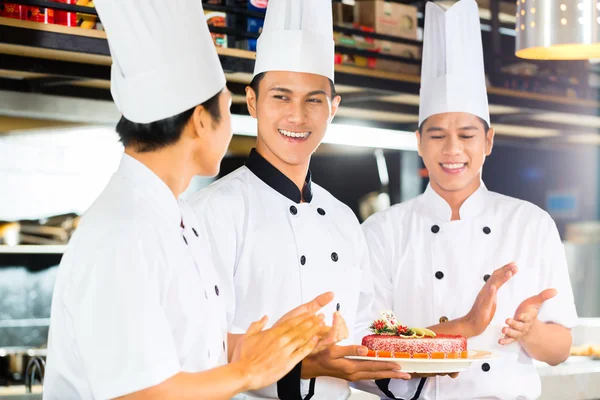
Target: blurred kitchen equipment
[15,361]
[56,230]
[36,364]
[582,247]
[374,202]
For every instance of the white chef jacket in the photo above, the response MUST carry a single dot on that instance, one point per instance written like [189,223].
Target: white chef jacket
[135,301]
[427,267]
[274,253]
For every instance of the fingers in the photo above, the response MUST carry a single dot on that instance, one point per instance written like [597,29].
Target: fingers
[344,351]
[506,341]
[340,328]
[516,325]
[257,326]
[511,333]
[333,335]
[303,351]
[311,307]
[502,275]
[454,375]
[362,376]
[526,318]
[297,327]
[302,333]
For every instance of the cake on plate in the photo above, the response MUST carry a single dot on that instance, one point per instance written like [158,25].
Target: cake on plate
[391,339]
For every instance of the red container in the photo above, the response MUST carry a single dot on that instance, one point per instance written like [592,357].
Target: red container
[12,10]
[64,17]
[40,14]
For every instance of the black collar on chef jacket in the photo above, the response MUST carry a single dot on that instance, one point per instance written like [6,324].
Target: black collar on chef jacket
[277,180]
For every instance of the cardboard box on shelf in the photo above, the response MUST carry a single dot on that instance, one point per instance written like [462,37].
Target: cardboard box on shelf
[217,19]
[342,14]
[400,50]
[359,42]
[387,18]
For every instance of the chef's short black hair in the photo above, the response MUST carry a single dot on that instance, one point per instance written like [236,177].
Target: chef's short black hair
[486,126]
[159,134]
[256,83]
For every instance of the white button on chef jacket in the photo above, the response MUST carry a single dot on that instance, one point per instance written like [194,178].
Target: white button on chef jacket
[135,301]
[426,267]
[274,253]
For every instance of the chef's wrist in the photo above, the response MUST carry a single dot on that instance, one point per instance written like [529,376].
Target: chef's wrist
[309,368]
[241,376]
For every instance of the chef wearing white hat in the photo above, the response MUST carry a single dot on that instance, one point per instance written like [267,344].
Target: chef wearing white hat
[476,263]
[137,309]
[277,238]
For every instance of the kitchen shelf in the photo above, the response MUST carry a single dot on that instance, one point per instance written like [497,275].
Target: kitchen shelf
[75,62]
[32,249]
[32,257]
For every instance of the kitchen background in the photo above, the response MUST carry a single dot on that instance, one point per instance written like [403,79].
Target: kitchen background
[58,147]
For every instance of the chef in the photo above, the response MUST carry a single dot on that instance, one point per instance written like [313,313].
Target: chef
[459,258]
[138,309]
[277,238]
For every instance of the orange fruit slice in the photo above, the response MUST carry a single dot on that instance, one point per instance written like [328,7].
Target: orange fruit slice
[454,354]
[464,354]
[438,355]
[420,355]
[401,355]
[386,354]
[372,353]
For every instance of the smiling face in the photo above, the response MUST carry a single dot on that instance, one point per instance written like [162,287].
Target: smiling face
[293,110]
[454,147]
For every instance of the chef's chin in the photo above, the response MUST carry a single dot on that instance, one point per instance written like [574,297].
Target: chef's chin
[455,183]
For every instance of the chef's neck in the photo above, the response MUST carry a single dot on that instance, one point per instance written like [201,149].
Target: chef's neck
[456,198]
[294,172]
[172,164]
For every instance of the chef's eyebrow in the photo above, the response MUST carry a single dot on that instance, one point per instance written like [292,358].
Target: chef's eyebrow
[469,128]
[316,92]
[289,91]
[435,129]
[280,89]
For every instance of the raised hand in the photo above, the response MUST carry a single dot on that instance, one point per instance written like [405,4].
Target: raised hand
[484,308]
[519,327]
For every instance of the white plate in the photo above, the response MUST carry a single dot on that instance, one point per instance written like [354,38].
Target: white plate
[434,366]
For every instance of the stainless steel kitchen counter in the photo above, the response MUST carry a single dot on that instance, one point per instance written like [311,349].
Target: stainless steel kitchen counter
[577,379]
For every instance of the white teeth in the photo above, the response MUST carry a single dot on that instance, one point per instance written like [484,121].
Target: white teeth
[453,166]
[294,134]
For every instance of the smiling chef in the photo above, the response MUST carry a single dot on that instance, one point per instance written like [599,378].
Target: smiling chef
[276,237]
[137,310]
[476,263]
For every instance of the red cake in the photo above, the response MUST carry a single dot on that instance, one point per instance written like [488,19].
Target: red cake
[390,339]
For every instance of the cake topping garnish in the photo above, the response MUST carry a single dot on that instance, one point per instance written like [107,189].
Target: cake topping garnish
[388,325]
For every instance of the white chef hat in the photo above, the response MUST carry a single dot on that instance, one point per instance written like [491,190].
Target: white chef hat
[297,36]
[452,73]
[164,59]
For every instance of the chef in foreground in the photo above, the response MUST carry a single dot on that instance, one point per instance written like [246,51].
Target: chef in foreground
[276,237]
[137,310]
[459,258]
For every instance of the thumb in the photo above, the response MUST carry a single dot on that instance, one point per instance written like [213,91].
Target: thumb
[257,326]
[539,299]
[311,307]
[547,295]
